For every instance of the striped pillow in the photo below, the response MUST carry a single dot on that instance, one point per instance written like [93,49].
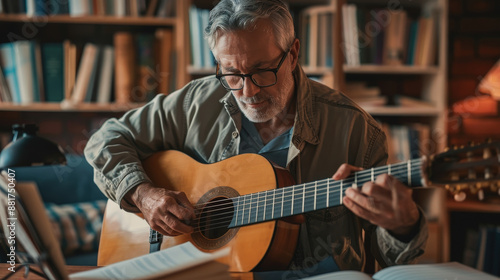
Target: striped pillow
[77,226]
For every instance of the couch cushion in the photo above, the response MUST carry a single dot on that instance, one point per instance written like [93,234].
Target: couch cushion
[77,226]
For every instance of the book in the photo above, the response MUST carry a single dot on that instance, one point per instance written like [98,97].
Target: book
[69,68]
[24,56]
[84,76]
[4,88]
[439,271]
[106,79]
[146,83]
[183,261]
[8,65]
[125,61]
[394,45]
[164,50]
[53,71]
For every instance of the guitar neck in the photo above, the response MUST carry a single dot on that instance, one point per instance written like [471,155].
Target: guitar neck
[302,198]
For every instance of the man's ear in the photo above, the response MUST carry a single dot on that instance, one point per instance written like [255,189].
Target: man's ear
[294,52]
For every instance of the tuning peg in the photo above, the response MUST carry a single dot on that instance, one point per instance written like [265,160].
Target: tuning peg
[460,196]
[480,194]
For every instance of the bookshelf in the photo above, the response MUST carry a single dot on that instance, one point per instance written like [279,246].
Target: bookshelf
[474,231]
[98,27]
[70,124]
[419,86]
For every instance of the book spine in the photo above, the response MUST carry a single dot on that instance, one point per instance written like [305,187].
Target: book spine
[84,73]
[124,66]
[165,44]
[9,68]
[106,78]
[53,71]
[25,69]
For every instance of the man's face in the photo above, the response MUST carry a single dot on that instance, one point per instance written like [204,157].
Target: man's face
[246,52]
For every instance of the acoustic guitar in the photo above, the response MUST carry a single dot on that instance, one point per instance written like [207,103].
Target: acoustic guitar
[240,202]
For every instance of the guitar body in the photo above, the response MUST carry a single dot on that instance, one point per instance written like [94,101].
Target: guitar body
[261,246]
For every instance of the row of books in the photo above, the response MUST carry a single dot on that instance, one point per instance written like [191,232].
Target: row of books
[201,56]
[316,35]
[406,142]
[388,37]
[482,249]
[135,68]
[134,8]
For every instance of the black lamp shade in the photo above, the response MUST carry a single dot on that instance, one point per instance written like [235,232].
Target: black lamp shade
[31,150]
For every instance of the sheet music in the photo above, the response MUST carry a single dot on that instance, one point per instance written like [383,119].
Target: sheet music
[153,265]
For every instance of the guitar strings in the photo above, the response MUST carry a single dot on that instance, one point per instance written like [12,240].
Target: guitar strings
[287,194]
[224,221]
[333,183]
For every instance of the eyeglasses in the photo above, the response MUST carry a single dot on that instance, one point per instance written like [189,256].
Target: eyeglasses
[264,78]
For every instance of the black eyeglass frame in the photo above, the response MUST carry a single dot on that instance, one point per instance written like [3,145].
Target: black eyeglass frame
[243,76]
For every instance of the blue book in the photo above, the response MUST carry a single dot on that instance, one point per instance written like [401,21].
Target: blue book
[53,71]
[412,42]
[25,59]
[9,70]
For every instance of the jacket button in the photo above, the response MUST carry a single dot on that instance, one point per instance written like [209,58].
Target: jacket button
[235,134]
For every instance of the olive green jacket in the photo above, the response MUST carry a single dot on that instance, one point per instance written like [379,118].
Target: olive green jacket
[203,120]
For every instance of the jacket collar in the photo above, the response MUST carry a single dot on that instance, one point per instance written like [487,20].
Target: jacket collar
[306,123]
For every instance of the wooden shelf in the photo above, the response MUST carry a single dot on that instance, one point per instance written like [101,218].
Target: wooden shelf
[63,107]
[474,206]
[407,107]
[153,21]
[363,69]
[393,70]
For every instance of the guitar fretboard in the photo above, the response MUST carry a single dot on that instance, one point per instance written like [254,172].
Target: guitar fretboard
[302,198]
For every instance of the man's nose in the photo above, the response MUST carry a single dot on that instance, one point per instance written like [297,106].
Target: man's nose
[249,88]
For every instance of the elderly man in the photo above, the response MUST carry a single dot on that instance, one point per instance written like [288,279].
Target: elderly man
[260,101]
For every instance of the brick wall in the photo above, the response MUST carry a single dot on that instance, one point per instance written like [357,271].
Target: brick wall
[474,47]
[474,44]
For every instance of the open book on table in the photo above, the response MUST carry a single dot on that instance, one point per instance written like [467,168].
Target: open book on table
[35,243]
[439,271]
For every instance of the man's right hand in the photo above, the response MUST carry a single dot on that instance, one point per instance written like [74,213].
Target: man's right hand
[166,211]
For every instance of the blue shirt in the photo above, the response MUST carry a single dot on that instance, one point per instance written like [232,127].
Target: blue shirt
[276,150]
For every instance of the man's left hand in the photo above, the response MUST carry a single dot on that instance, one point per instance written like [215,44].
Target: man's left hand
[386,202]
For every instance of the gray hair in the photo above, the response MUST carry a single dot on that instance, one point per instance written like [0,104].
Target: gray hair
[232,15]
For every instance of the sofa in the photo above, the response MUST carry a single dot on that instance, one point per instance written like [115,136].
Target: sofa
[74,204]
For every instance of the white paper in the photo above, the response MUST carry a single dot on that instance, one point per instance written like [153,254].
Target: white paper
[153,265]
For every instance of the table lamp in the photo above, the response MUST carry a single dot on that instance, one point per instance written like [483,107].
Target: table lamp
[28,149]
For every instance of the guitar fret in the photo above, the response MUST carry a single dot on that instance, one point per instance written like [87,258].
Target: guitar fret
[327,192]
[265,202]
[243,214]
[257,207]
[238,210]
[409,172]
[389,169]
[373,175]
[293,196]
[250,208]
[303,196]
[282,201]
[274,197]
[315,192]
[341,191]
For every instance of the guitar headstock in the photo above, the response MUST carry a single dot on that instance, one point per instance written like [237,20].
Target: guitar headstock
[474,167]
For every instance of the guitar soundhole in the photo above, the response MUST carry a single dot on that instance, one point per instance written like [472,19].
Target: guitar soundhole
[216,211]
[216,217]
